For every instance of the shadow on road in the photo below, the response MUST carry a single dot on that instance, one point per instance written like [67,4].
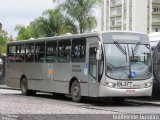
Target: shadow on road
[87,101]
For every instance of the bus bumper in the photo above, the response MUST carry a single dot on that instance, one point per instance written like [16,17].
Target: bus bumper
[105,91]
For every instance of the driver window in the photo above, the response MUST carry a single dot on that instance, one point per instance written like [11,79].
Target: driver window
[93,62]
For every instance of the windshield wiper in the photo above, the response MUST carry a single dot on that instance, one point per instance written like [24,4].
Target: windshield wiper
[120,48]
[123,50]
[134,52]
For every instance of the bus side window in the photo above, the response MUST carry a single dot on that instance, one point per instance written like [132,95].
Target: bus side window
[78,50]
[11,53]
[20,50]
[93,62]
[51,51]
[64,49]
[29,52]
[40,52]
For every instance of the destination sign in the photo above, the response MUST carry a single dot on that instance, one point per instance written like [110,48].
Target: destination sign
[125,37]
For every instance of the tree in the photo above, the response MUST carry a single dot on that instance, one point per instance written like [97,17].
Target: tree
[3,41]
[54,23]
[80,11]
[23,32]
[51,23]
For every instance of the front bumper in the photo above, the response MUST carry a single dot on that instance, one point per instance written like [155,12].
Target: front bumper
[105,91]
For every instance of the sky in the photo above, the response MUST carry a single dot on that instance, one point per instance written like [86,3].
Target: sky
[13,12]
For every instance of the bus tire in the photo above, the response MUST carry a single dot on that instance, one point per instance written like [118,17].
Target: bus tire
[24,86]
[76,92]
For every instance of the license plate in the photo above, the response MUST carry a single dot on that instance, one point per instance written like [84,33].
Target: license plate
[130,91]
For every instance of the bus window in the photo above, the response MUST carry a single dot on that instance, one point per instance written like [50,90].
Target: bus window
[29,56]
[20,51]
[51,51]
[93,62]
[64,48]
[78,50]
[40,52]
[11,53]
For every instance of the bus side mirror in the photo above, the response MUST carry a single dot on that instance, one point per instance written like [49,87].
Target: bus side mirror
[99,51]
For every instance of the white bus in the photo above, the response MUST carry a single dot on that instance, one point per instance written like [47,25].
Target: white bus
[154,39]
[101,64]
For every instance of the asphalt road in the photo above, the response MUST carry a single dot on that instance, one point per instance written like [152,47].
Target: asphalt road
[46,106]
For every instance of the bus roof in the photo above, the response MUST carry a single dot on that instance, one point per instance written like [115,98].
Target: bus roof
[70,36]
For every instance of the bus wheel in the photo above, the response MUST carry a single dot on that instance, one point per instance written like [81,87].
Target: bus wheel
[24,86]
[76,92]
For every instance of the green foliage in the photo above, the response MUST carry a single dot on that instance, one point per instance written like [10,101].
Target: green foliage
[54,22]
[23,32]
[3,41]
[80,11]
[51,23]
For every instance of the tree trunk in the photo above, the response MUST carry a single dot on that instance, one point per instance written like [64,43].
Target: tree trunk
[80,27]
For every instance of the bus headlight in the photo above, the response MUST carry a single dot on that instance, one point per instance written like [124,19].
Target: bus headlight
[108,84]
[149,84]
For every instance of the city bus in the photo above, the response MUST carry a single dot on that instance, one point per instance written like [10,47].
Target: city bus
[100,65]
[154,39]
[155,48]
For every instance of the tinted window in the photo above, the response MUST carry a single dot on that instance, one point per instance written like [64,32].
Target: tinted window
[51,51]
[20,50]
[29,56]
[78,50]
[64,48]
[11,53]
[40,52]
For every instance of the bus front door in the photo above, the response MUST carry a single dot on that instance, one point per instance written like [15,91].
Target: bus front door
[93,71]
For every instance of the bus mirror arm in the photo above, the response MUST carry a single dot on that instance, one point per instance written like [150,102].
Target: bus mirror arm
[98,55]
[99,51]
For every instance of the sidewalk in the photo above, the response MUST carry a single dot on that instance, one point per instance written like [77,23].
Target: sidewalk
[154,102]
[145,101]
[6,87]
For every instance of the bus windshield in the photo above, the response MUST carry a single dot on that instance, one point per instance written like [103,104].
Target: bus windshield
[135,64]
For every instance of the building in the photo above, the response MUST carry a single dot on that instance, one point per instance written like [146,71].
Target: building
[134,15]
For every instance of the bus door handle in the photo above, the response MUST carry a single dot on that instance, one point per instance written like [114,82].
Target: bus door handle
[95,82]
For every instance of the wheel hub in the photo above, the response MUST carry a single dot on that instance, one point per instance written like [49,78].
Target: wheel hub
[76,91]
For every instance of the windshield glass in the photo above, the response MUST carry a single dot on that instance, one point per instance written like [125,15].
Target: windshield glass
[128,61]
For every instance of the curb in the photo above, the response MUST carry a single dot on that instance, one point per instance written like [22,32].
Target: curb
[10,88]
[145,102]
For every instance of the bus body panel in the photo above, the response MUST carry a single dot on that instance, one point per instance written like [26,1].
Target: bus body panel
[80,72]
